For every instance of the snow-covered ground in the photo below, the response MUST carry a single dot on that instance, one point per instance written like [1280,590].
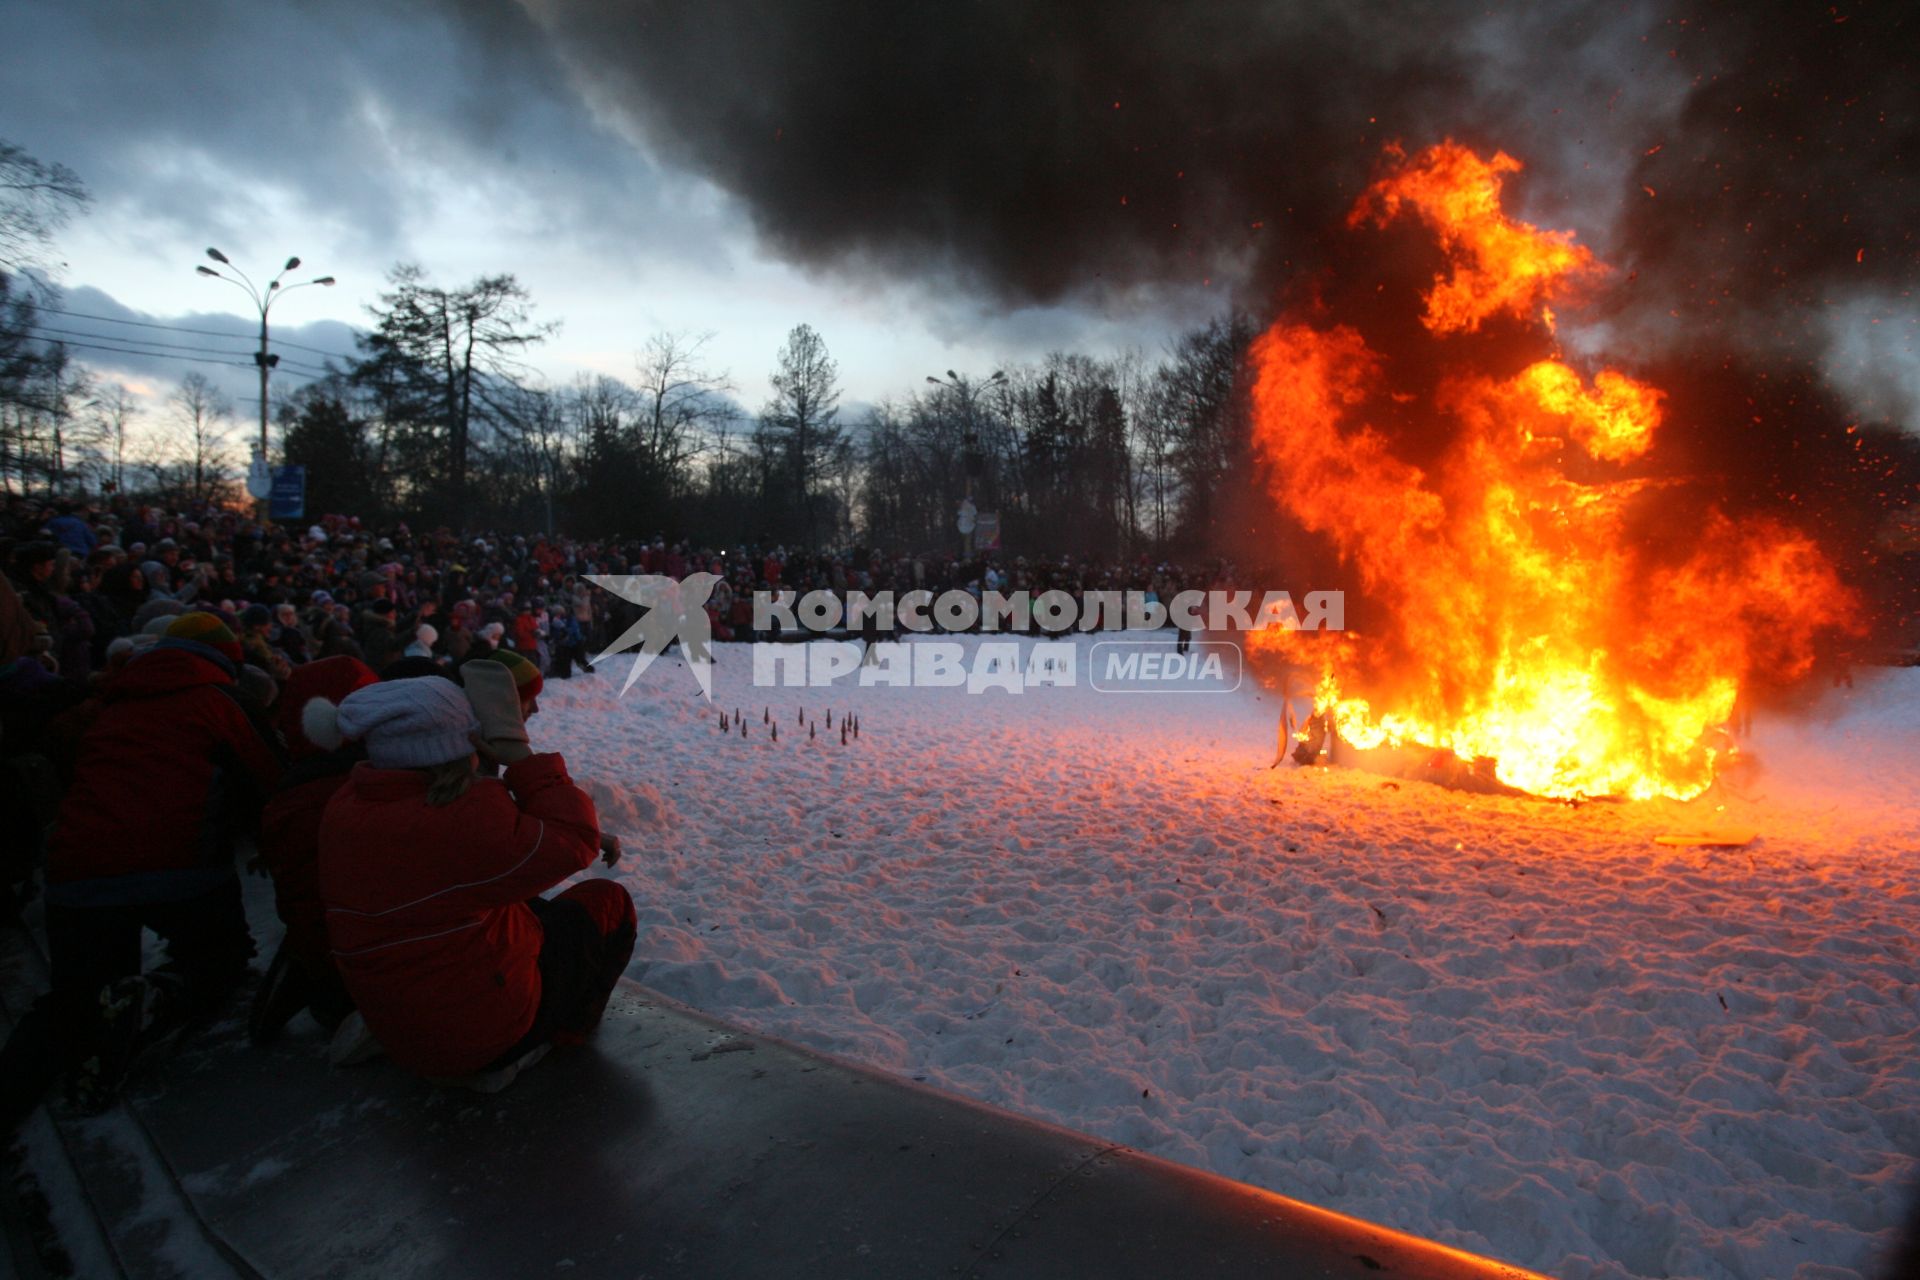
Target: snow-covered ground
[1517,1027]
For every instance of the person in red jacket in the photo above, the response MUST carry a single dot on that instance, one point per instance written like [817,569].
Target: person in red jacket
[526,632]
[170,772]
[302,974]
[430,876]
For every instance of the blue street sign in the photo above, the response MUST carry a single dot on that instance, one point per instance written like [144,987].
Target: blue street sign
[288,500]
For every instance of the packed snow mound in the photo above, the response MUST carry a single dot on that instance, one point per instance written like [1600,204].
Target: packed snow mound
[1515,1026]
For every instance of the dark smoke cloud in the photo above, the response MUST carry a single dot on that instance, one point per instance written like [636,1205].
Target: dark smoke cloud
[1784,187]
[1041,151]
[1034,151]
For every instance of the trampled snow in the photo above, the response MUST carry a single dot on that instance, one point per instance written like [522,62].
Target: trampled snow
[1514,1026]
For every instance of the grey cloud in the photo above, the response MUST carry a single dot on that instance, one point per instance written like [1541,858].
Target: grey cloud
[351,107]
[119,341]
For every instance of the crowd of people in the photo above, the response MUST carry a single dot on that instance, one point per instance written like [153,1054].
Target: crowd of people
[167,709]
[345,708]
[93,577]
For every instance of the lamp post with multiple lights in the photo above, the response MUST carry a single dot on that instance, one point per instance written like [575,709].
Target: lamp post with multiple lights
[263,300]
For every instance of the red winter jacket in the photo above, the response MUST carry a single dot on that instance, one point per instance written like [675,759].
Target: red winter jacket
[426,907]
[526,633]
[167,773]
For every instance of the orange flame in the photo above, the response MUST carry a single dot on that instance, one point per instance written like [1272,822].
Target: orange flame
[1499,263]
[1524,621]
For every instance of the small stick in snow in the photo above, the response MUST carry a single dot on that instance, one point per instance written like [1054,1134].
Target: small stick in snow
[766,715]
[813,731]
[776,733]
[829,717]
[843,733]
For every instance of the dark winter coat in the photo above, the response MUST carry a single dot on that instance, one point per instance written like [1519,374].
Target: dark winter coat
[290,848]
[426,907]
[377,639]
[168,772]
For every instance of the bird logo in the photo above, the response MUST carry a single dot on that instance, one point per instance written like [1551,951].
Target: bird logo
[670,611]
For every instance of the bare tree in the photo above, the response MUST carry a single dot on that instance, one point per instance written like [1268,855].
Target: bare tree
[538,424]
[204,416]
[684,408]
[42,434]
[113,409]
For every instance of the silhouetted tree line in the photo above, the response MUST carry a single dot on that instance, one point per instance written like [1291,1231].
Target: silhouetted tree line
[439,420]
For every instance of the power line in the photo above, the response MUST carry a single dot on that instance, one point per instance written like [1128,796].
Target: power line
[163,355]
[178,328]
[165,350]
[145,342]
[156,355]
[292,366]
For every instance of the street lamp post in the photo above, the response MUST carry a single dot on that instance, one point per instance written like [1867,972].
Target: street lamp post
[968,390]
[970,438]
[263,301]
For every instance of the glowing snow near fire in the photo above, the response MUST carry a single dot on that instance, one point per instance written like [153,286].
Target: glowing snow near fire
[1521,1028]
[1519,614]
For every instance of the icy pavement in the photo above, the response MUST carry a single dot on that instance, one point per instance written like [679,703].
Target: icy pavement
[1514,1026]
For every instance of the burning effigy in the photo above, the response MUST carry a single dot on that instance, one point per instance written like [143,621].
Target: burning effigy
[1522,625]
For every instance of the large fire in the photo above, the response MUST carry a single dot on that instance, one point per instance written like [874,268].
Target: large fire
[1521,620]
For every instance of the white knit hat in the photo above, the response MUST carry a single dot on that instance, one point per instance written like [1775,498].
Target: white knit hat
[410,724]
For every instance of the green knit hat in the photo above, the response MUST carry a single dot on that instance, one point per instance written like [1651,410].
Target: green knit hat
[204,628]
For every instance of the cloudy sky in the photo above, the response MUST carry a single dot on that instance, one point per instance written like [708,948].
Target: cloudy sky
[361,135]
[934,186]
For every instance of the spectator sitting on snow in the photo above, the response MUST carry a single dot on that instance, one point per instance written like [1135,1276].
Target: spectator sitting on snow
[429,872]
[167,773]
